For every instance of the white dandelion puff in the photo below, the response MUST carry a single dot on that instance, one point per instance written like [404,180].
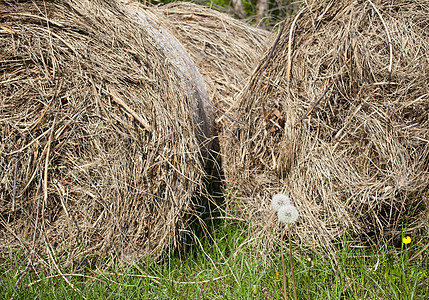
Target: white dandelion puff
[279,200]
[287,214]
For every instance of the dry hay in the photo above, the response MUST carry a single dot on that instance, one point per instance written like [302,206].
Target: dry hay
[358,161]
[100,132]
[225,50]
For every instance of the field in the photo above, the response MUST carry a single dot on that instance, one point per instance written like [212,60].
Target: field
[217,265]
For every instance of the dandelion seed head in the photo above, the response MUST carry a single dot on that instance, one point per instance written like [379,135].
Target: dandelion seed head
[279,200]
[287,214]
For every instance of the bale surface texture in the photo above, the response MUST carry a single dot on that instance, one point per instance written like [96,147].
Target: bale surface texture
[101,133]
[337,118]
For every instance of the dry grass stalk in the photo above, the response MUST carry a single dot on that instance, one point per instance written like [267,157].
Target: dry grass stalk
[94,107]
[359,162]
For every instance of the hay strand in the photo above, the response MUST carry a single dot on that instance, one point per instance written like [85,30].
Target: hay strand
[388,37]
[289,53]
[122,103]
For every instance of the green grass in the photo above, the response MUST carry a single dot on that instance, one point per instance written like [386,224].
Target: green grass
[220,267]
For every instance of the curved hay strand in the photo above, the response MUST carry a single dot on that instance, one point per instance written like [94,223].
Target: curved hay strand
[388,37]
[289,53]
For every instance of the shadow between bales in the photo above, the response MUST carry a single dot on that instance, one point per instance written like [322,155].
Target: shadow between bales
[209,208]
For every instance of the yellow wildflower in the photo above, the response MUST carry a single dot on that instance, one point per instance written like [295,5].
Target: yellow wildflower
[406,240]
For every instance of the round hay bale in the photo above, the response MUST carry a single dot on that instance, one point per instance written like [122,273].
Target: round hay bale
[103,132]
[225,50]
[337,117]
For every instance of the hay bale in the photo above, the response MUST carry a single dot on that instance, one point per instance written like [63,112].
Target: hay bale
[357,161]
[225,50]
[103,131]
